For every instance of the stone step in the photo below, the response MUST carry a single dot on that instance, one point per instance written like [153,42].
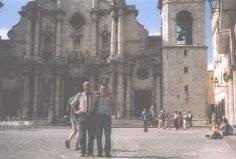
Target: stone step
[127,122]
[123,122]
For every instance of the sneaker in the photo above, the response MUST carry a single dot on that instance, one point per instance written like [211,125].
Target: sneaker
[67,144]
[207,136]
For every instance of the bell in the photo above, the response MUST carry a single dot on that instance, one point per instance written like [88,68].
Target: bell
[180,37]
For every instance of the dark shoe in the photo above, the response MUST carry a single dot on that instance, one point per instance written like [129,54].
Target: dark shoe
[207,136]
[77,148]
[108,155]
[67,144]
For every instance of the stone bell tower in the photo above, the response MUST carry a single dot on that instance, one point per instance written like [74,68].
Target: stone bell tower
[184,55]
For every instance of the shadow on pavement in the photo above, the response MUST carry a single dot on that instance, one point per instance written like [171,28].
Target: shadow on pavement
[118,150]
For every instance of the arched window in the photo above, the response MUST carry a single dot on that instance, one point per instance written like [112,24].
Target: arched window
[184,28]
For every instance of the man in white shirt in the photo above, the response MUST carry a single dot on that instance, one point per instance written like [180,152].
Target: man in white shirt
[86,109]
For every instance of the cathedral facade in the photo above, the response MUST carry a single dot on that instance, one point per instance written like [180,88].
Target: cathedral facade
[59,44]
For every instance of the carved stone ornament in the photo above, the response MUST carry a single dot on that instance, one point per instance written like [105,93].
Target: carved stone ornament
[143,73]
[77,71]
[77,20]
[47,30]
[76,36]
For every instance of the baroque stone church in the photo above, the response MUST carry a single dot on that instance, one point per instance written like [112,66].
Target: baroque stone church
[59,44]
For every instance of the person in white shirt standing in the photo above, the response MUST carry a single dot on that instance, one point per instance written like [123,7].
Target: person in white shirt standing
[86,111]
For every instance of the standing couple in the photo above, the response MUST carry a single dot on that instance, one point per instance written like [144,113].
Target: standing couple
[94,110]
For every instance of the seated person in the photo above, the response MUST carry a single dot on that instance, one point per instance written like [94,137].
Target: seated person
[225,128]
[215,132]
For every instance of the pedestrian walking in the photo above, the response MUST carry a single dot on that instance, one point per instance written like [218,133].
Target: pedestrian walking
[185,120]
[167,120]
[86,101]
[190,119]
[180,120]
[74,119]
[161,119]
[146,118]
[176,120]
[105,108]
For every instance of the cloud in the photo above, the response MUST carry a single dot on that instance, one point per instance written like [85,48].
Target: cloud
[157,33]
[3,32]
[154,33]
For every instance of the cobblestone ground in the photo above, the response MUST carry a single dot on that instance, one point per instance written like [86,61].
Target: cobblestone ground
[126,143]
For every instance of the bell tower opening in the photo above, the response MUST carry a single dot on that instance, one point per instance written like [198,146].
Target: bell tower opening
[184,28]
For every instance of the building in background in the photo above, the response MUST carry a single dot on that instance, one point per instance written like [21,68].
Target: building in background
[223,38]
[57,45]
[184,56]
[210,93]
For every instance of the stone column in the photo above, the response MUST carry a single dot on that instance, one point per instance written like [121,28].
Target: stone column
[230,100]
[25,107]
[158,94]
[112,79]
[113,35]
[59,36]
[51,109]
[36,95]
[57,96]
[128,96]
[28,39]
[94,3]
[120,92]
[234,96]
[121,34]
[62,96]
[37,38]
[95,34]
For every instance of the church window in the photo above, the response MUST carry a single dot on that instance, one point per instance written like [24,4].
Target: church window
[184,28]
[77,20]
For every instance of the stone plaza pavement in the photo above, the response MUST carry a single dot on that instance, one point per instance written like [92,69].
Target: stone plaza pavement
[48,143]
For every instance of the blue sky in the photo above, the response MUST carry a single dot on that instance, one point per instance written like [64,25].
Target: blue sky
[149,16]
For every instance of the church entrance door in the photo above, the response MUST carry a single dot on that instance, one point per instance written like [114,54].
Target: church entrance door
[143,99]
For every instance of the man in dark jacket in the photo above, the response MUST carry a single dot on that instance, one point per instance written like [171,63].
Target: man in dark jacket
[146,118]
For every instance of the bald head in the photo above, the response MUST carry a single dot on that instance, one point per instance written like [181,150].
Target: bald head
[87,86]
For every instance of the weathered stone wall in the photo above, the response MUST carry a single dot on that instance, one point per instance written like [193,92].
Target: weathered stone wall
[174,80]
[45,36]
